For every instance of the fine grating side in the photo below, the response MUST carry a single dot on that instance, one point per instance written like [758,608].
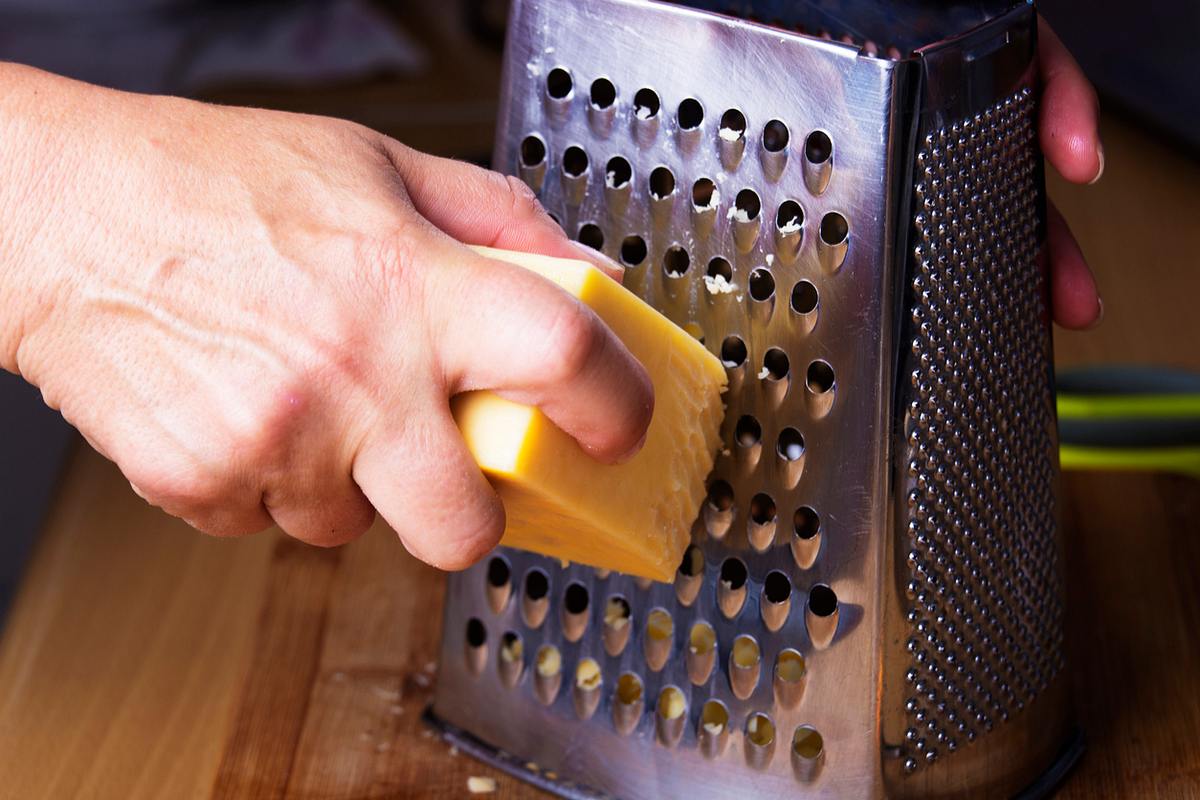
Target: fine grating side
[985,613]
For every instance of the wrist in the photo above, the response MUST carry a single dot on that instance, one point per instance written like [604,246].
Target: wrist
[34,193]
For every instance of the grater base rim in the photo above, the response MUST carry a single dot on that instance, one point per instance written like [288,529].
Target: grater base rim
[482,751]
[1044,785]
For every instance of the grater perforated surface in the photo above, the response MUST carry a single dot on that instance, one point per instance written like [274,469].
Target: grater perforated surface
[769,241]
[986,615]
[842,625]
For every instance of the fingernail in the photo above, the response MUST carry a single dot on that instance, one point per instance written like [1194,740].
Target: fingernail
[598,258]
[1099,314]
[1100,158]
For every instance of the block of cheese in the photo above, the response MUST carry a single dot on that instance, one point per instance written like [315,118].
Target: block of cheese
[634,517]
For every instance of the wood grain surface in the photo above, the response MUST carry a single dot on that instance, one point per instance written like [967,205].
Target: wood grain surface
[144,660]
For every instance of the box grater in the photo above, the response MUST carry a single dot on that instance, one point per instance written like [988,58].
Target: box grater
[844,201]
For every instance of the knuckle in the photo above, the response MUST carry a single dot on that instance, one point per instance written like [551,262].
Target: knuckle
[523,203]
[573,339]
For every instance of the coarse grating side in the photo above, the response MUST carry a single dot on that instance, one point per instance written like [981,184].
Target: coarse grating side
[986,611]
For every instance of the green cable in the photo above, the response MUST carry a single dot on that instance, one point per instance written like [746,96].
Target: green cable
[1184,460]
[1088,406]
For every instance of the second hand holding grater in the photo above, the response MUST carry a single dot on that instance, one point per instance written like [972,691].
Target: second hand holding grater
[872,602]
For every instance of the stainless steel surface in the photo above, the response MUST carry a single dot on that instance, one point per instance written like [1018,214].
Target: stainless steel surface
[756,183]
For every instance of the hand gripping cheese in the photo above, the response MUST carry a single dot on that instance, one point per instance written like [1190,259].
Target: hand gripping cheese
[634,517]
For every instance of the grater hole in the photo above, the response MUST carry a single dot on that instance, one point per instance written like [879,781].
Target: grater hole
[807,743]
[702,639]
[559,84]
[646,103]
[694,330]
[591,235]
[822,600]
[476,633]
[777,588]
[575,161]
[818,147]
[804,297]
[746,652]
[776,364]
[762,508]
[733,573]
[629,689]
[618,172]
[721,268]
[806,523]
[748,431]
[704,193]
[775,136]
[790,666]
[693,561]
[671,703]
[834,229]
[548,661]
[617,612]
[690,114]
[537,584]
[720,497]
[498,572]
[789,218]
[512,649]
[733,349]
[762,284]
[790,445]
[714,717]
[820,376]
[676,261]
[659,625]
[602,93]
[633,250]
[662,183]
[533,150]
[554,218]
[733,125]
[747,205]
[760,730]
[575,599]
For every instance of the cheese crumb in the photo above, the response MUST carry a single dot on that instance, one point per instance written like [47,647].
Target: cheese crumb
[478,785]
[549,661]
[729,134]
[587,674]
[717,284]
[713,728]
[670,703]
[643,112]
[616,615]
[791,226]
[511,651]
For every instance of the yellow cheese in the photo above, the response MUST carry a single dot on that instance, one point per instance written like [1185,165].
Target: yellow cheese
[633,517]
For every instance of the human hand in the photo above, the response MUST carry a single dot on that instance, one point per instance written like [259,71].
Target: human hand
[1069,135]
[260,316]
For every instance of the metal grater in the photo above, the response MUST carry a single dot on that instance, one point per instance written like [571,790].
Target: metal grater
[845,204]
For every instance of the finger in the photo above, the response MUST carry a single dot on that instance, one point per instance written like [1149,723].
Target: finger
[323,511]
[481,207]
[532,342]
[217,512]
[1068,126]
[1073,292]
[423,481]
